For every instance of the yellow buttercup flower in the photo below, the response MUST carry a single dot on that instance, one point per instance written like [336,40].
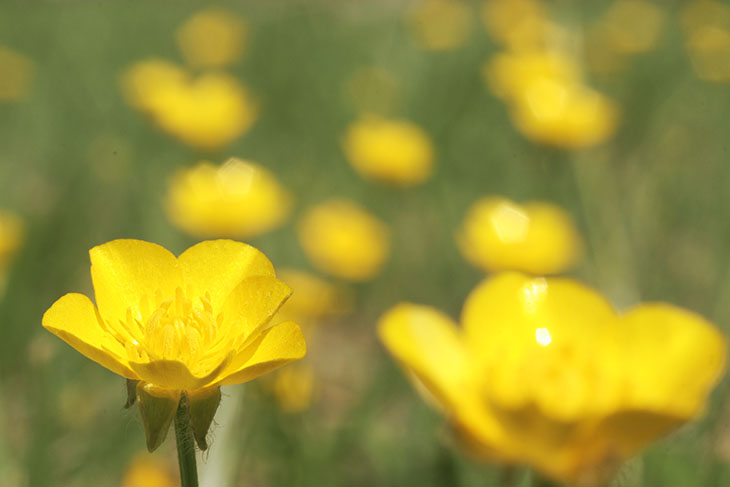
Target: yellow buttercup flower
[294,388]
[17,75]
[545,372]
[393,151]
[147,471]
[537,237]
[706,25]
[181,326]
[207,111]
[440,25]
[342,239]
[548,101]
[237,199]
[519,24]
[212,38]
[12,231]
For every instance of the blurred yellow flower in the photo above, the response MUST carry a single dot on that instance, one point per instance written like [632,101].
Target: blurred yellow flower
[548,101]
[520,24]
[181,326]
[12,231]
[344,240]
[537,237]
[372,89]
[545,372]
[17,75]
[706,25]
[440,25]
[393,151]
[237,199]
[294,387]
[313,298]
[207,112]
[148,471]
[212,38]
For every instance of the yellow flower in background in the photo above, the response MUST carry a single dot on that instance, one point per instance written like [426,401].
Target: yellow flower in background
[342,239]
[313,298]
[212,38]
[537,237]
[393,151]
[706,25]
[148,471]
[520,24]
[372,89]
[181,326]
[237,199]
[12,232]
[17,75]
[545,372]
[293,387]
[548,101]
[207,111]
[440,25]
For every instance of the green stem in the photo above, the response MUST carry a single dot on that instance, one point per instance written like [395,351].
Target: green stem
[185,445]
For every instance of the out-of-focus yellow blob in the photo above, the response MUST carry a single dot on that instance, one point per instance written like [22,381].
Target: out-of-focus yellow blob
[212,38]
[343,240]
[519,24]
[12,232]
[207,111]
[237,199]
[544,372]
[148,471]
[706,26]
[538,237]
[16,75]
[294,387]
[393,151]
[313,298]
[440,25]
[372,89]
[548,101]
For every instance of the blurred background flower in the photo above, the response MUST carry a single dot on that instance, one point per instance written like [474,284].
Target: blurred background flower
[212,38]
[146,470]
[12,232]
[17,75]
[237,199]
[440,25]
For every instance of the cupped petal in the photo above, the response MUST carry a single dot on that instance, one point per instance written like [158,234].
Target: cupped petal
[251,305]
[132,273]
[216,267]
[676,357]
[279,345]
[74,319]
[174,375]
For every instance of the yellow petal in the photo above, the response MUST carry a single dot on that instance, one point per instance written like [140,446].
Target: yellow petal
[174,375]
[676,357]
[218,266]
[278,346]
[251,305]
[74,319]
[129,273]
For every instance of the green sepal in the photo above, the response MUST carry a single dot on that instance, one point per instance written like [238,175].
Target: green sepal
[131,393]
[158,407]
[202,406]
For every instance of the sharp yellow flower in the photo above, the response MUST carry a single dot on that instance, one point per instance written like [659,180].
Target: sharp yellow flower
[181,326]
[440,25]
[147,471]
[17,75]
[545,372]
[706,25]
[212,38]
[538,237]
[393,151]
[237,199]
[207,111]
[548,101]
[342,239]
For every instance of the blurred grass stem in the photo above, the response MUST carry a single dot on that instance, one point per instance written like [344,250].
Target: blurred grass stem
[185,445]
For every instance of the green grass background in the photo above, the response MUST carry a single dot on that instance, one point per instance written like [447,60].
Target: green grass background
[83,168]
